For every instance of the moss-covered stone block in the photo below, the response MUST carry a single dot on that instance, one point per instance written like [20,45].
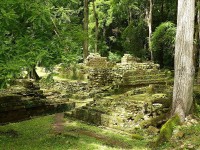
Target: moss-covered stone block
[154,121]
[167,129]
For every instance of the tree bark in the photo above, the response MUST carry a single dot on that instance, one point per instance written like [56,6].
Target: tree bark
[85,28]
[96,27]
[149,23]
[198,26]
[32,74]
[184,65]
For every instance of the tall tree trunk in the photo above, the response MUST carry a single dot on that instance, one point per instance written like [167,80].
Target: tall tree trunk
[96,27]
[184,65]
[32,74]
[198,24]
[85,27]
[149,23]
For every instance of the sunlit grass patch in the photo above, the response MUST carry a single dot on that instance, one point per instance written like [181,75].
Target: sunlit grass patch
[37,134]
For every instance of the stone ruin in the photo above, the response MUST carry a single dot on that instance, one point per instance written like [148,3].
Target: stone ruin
[94,60]
[144,93]
[24,100]
[128,59]
[128,72]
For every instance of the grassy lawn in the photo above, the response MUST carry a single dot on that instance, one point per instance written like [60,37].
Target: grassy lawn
[38,134]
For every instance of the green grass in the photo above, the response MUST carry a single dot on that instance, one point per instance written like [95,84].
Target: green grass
[38,134]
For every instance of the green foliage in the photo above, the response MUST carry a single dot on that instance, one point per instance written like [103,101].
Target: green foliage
[72,72]
[163,44]
[114,57]
[50,32]
[164,11]
[123,8]
[104,11]
[37,32]
[134,38]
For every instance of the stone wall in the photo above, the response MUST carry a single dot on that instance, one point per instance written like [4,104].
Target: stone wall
[128,72]
[127,58]
[25,100]
[96,61]
[103,77]
[127,111]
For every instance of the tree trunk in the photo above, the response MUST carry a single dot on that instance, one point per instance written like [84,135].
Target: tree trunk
[96,27]
[184,65]
[198,26]
[85,28]
[32,74]
[149,22]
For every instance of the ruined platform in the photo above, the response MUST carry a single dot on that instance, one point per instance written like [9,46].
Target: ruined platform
[25,100]
[126,96]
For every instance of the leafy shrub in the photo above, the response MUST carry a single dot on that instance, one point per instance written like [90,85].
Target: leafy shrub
[163,44]
[114,57]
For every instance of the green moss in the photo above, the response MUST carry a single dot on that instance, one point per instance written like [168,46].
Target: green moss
[196,94]
[38,134]
[150,89]
[196,109]
[154,121]
[166,102]
[137,137]
[167,129]
[138,117]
